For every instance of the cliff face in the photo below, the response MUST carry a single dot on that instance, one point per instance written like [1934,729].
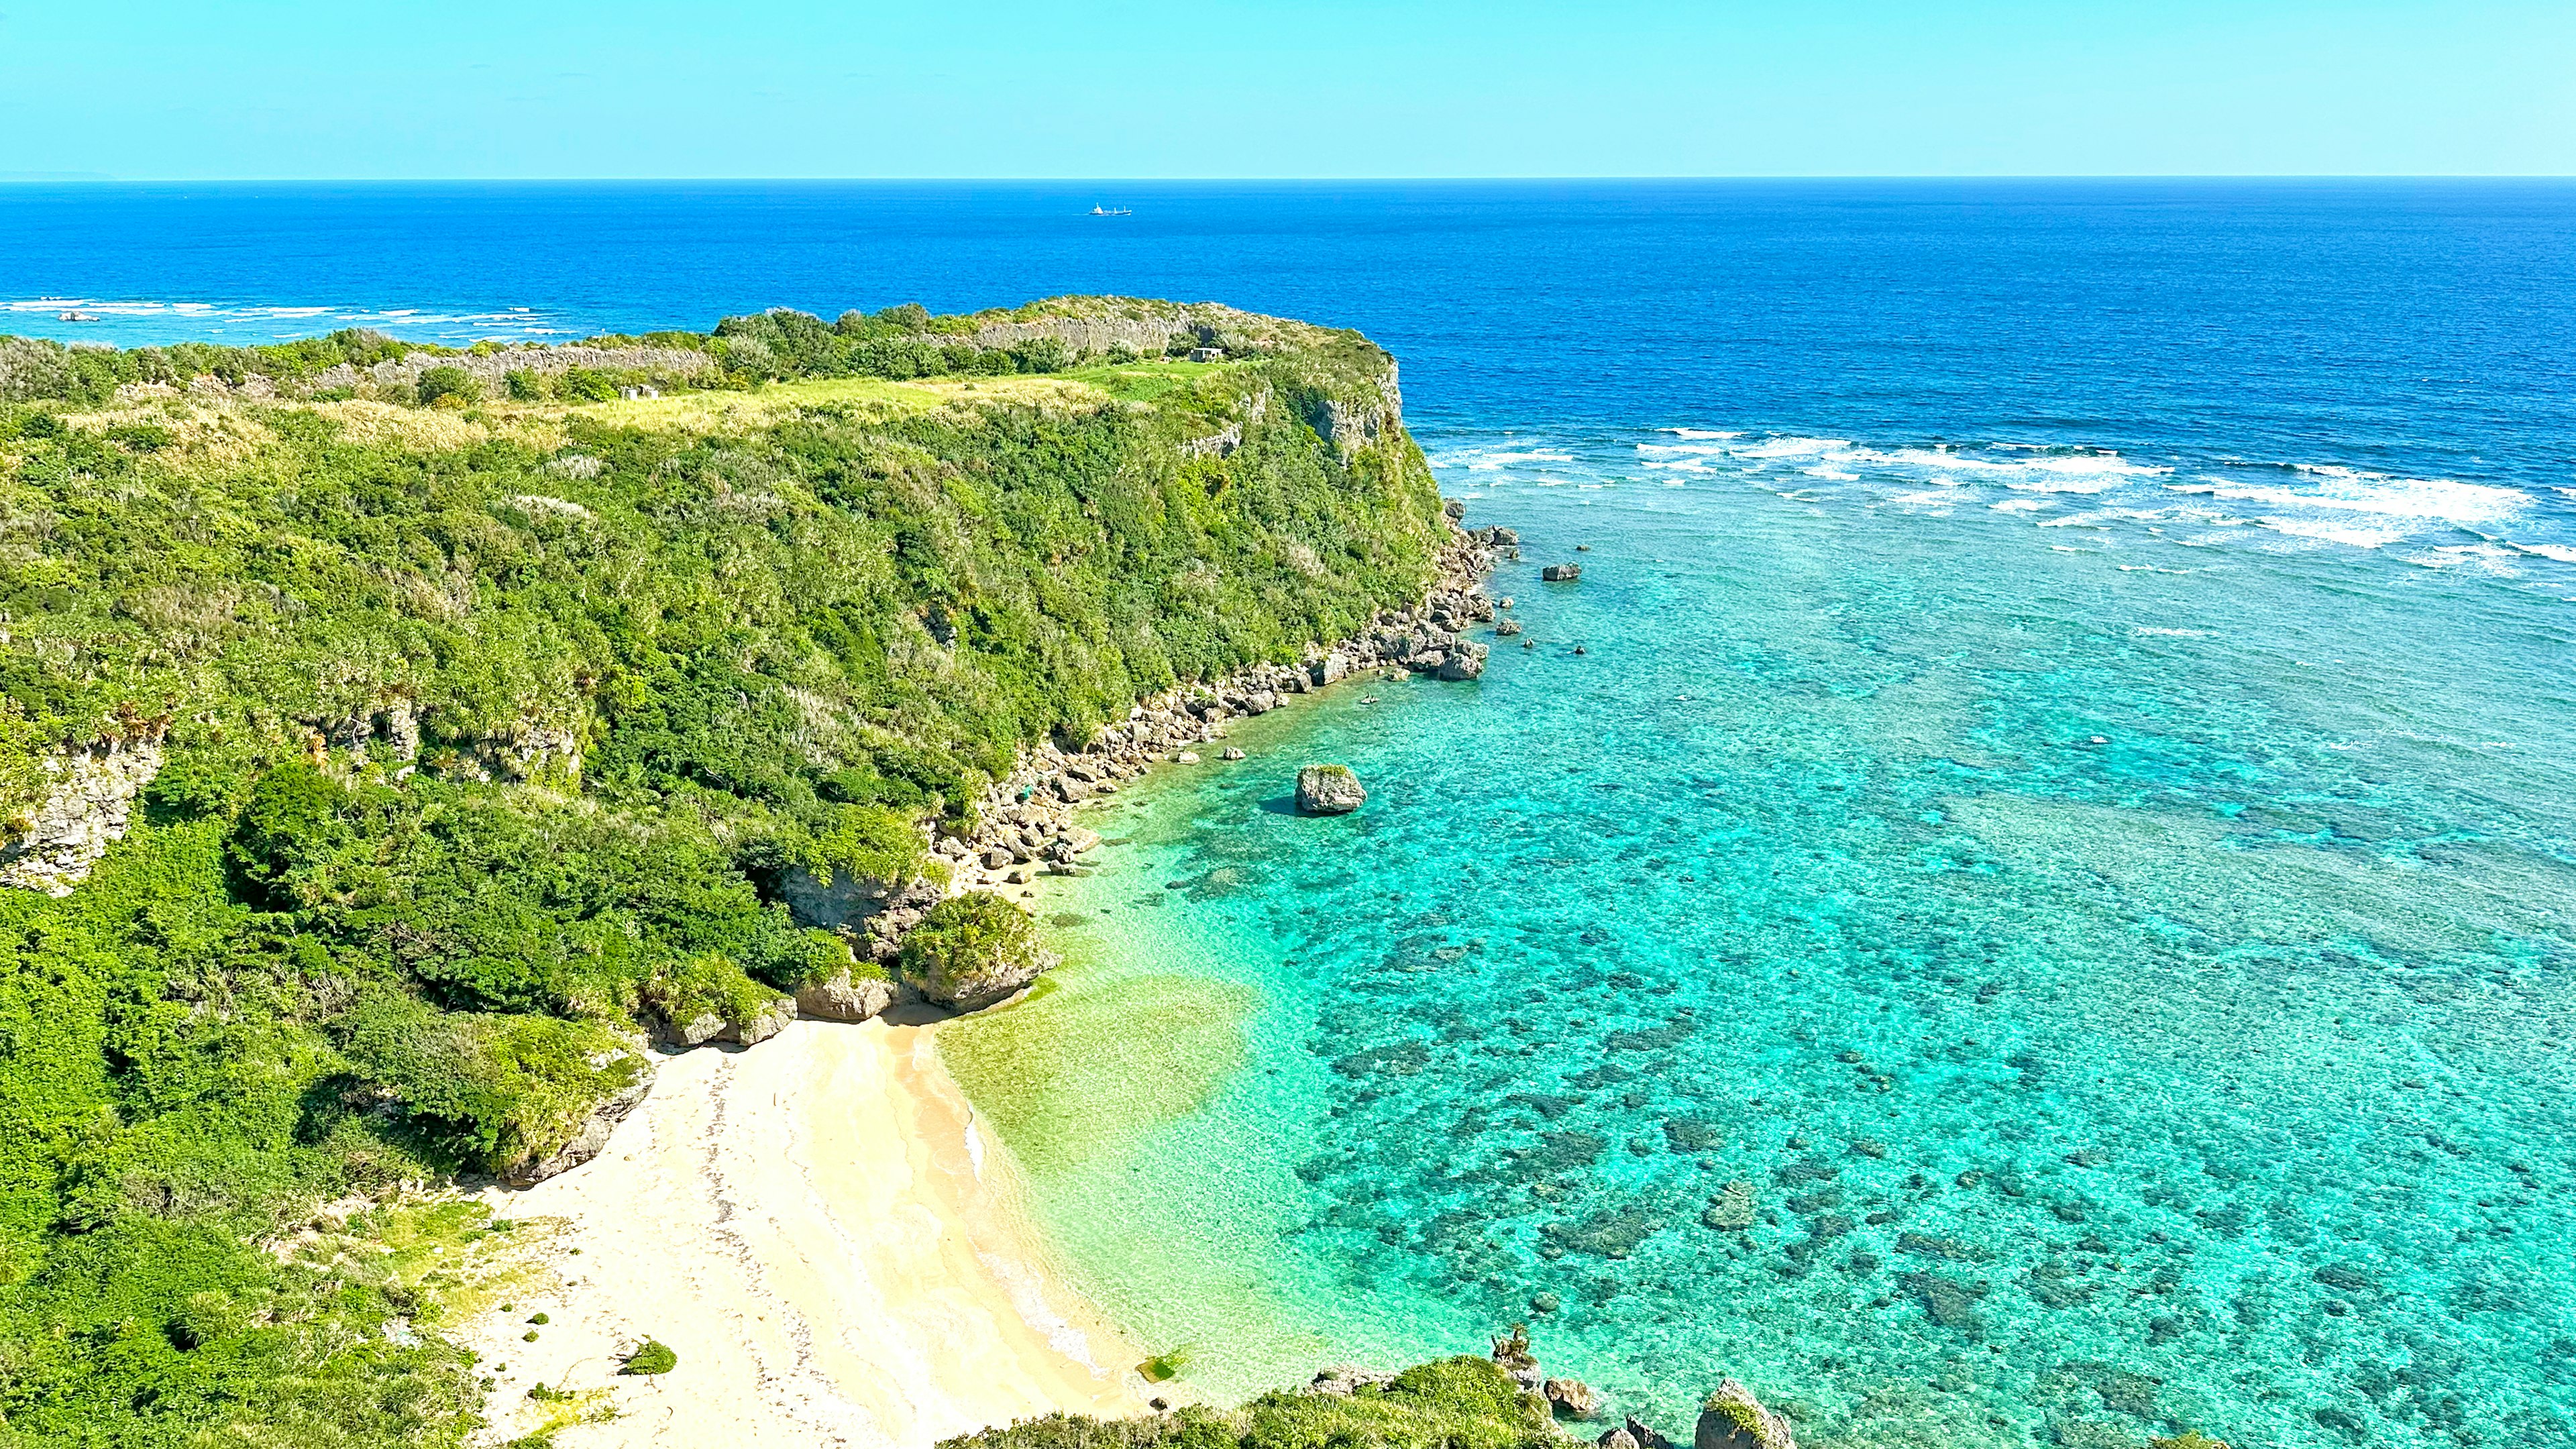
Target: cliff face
[88,799]
[622,714]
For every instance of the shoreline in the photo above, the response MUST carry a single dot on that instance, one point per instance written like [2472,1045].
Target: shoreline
[855,1260]
[833,1243]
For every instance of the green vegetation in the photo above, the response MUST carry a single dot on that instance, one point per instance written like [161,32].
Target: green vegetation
[1459,1403]
[654,1357]
[971,948]
[491,733]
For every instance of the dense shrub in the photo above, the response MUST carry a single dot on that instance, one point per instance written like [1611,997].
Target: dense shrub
[649,671]
[971,948]
[1459,1403]
[448,386]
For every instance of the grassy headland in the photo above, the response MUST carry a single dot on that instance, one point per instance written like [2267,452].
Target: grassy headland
[480,701]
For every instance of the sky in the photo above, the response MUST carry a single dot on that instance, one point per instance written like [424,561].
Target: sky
[283,89]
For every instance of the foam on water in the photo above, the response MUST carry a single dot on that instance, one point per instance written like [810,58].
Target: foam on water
[2110,1001]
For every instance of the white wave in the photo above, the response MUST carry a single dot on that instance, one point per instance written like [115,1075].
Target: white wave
[1487,462]
[1828,471]
[2333,531]
[1791,447]
[2149,631]
[1928,498]
[2483,558]
[1697,433]
[2559,551]
[2348,491]
[2021,505]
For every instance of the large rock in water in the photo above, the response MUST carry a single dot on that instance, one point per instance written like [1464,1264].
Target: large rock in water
[1734,1419]
[1561,573]
[1329,790]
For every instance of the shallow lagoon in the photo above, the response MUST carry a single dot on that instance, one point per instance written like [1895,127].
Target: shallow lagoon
[2115,967]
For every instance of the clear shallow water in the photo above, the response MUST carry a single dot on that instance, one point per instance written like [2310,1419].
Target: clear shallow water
[2132,983]
[2074,731]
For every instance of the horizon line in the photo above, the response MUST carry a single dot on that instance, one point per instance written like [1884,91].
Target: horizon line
[77,178]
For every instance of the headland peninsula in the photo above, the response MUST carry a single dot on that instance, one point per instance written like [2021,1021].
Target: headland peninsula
[490,836]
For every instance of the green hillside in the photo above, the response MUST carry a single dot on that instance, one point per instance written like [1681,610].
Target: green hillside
[483,708]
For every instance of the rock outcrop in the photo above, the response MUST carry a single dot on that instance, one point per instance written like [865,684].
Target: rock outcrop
[85,810]
[1561,573]
[1329,790]
[747,1028]
[1734,1419]
[1570,1398]
[845,998]
[589,1139]
[1342,1380]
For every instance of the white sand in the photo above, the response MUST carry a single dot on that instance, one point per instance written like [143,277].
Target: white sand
[829,1241]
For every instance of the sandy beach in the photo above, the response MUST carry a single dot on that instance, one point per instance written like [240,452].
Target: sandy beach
[828,1239]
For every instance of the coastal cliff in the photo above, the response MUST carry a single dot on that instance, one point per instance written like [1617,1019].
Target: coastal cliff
[510,711]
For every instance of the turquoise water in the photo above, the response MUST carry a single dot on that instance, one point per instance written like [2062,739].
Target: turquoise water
[2162,859]
[2112,917]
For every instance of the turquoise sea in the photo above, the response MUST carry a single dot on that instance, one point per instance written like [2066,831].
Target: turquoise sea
[2119,945]
[2042,912]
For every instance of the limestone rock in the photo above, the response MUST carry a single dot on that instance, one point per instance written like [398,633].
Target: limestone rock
[1618,1439]
[1571,1398]
[849,901]
[1341,1380]
[85,810]
[589,1139]
[1646,1436]
[1734,1419]
[1329,790]
[1508,628]
[1561,573]
[1231,753]
[1260,701]
[974,950]
[1467,661]
[842,999]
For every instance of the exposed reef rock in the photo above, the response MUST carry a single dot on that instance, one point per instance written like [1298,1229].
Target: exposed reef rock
[83,812]
[972,951]
[842,998]
[1342,1380]
[748,1027]
[1734,1419]
[1329,790]
[1561,573]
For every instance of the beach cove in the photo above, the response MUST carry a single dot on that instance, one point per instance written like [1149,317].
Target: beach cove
[834,1247]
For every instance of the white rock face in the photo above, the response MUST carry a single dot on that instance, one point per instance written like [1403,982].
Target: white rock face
[81,816]
[1329,790]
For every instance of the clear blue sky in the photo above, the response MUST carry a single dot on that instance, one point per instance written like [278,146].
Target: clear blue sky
[1191,88]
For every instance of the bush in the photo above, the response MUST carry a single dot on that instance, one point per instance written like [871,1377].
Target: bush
[523,385]
[701,986]
[655,1357]
[972,950]
[449,387]
[582,384]
[292,822]
[492,1091]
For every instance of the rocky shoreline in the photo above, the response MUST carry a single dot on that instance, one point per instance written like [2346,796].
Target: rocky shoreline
[1024,825]
[1730,1417]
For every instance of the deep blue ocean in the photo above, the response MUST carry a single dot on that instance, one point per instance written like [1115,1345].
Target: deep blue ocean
[2044,911]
